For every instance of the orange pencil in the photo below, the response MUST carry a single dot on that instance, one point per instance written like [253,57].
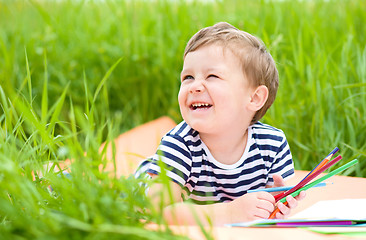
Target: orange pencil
[319,166]
[273,214]
[311,175]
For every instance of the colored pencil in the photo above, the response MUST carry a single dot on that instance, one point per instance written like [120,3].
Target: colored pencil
[320,165]
[334,172]
[280,189]
[323,162]
[315,223]
[308,179]
[294,194]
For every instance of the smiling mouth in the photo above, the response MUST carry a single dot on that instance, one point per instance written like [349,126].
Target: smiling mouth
[196,106]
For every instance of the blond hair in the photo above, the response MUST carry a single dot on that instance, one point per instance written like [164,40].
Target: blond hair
[258,65]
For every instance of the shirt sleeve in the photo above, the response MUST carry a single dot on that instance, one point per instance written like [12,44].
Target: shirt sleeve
[282,163]
[172,158]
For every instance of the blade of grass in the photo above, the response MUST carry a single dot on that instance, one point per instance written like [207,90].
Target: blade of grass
[29,80]
[57,106]
[45,92]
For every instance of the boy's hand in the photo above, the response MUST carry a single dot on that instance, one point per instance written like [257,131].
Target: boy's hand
[292,201]
[251,206]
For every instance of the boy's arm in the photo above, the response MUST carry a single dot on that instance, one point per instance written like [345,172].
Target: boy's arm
[249,207]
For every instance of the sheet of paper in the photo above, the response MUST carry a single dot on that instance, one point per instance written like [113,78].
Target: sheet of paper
[299,223]
[348,231]
[335,209]
[330,210]
[332,230]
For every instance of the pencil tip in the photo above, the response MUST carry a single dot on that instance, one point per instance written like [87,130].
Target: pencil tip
[336,149]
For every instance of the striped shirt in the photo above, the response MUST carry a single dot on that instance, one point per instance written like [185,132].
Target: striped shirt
[204,180]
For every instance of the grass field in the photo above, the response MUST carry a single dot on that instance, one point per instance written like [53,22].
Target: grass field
[74,74]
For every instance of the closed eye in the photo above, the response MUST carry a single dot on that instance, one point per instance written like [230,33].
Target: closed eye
[212,76]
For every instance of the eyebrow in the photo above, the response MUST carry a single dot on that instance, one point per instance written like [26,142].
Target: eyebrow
[218,70]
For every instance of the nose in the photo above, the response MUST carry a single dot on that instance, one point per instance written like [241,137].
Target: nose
[197,86]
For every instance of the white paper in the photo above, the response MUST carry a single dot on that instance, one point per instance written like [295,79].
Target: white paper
[335,209]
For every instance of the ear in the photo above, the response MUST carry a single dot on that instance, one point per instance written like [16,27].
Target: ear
[258,98]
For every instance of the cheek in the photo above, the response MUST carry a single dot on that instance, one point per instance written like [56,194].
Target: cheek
[181,96]
[230,100]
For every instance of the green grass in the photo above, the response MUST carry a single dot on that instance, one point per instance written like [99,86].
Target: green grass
[38,202]
[74,74]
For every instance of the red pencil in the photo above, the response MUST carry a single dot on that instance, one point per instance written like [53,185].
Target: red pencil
[307,179]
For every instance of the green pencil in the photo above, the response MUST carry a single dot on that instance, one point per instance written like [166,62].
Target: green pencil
[334,172]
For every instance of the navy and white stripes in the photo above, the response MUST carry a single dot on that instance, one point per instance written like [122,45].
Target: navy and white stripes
[205,180]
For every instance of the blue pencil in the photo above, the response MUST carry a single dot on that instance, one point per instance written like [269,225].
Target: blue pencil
[328,157]
[281,189]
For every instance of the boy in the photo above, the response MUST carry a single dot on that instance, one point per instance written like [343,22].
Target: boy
[220,150]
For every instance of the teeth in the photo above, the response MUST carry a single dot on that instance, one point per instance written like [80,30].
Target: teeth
[200,104]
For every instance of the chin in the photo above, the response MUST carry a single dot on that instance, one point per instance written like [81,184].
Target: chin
[199,126]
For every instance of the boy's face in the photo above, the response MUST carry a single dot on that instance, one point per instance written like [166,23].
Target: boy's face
[214,93]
